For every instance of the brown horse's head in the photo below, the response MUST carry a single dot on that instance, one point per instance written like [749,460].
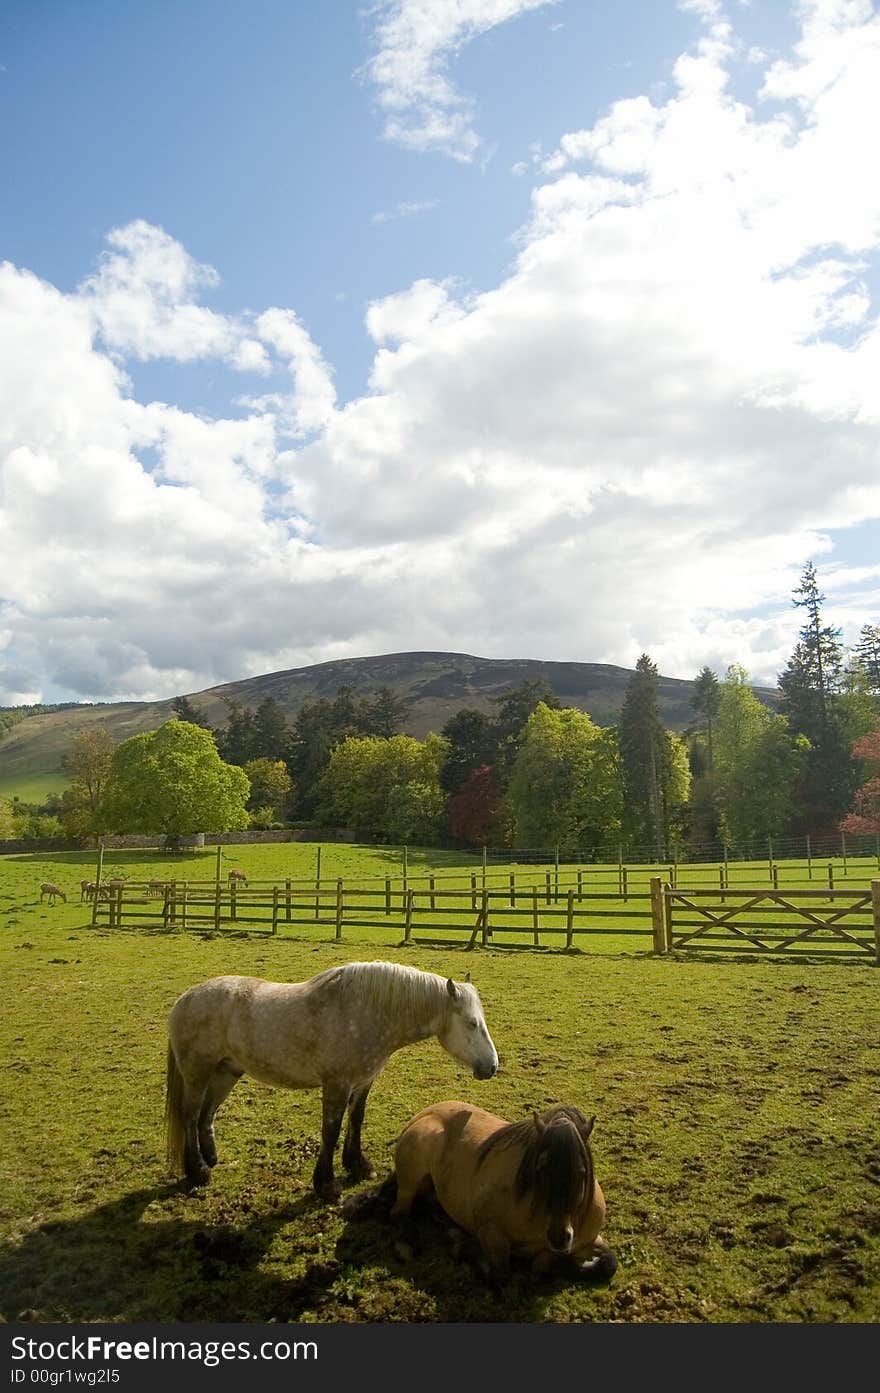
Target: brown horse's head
[556,1170]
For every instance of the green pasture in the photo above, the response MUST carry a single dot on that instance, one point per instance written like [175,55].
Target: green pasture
[736,1135]
[32,788]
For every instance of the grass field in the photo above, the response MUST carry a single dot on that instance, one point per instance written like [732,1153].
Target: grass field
[32,788]
[736,1136]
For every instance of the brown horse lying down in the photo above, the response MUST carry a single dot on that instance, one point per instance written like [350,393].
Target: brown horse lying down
[521,1189]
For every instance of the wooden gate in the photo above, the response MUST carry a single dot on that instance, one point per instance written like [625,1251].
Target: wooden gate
[821,923]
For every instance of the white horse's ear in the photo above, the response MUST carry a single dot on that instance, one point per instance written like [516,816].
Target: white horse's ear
[452,988]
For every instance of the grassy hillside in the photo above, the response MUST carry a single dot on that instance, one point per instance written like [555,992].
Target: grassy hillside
[434,686]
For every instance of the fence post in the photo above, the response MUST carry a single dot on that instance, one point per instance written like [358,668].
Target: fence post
[830,876]
[535,914]
[98,880]
[318,886]
[473,892]
[166,907]
[287,883]
[407,926]
[556,875]
[809,859]
[721,881]
[843,850]
[875,905]
[339,908]
[624,888]
[580,885]
[774,871]
[548,891]
[405,873]
[217,898]
[433,901]
[485,913]
[183,907]
[274,909]
[512,891]
[569,919]
[233,892]
[619,868]
[658,926]
[217,873]
[388,894]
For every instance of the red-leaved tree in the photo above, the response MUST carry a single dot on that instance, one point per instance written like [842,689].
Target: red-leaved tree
[475,810]
[865,815]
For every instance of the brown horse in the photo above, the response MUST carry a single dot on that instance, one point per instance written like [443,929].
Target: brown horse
[521,1189]
[237,878]
[334,1032]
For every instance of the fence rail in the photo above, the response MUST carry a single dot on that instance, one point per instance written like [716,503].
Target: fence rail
[670,918]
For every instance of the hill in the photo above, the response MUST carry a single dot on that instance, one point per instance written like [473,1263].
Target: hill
[434,685]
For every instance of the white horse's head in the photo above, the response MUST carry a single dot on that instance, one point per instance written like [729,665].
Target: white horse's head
[463,1030]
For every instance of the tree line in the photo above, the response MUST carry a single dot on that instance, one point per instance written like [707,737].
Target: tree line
[529,773]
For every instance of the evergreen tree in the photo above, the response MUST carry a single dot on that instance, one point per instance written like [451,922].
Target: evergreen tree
[514,709]
[705,702]
[811,701]
[236,740]
[643,751]
[185,711]
[472,743]
[384,715]
[271,736]
[868,652]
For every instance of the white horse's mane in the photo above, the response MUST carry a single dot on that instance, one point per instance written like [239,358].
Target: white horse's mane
[396,988]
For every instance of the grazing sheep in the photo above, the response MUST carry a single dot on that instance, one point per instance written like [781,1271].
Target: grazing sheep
[53,891]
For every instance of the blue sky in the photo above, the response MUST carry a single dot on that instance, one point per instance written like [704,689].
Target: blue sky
[512,327]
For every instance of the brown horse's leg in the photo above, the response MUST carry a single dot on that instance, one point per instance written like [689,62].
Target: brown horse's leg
[353,1158]
[601,1267]
[221,1085]
[335,1101]
[495,1246]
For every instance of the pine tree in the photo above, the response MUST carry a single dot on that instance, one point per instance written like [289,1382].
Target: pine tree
[868,653]
[642,752]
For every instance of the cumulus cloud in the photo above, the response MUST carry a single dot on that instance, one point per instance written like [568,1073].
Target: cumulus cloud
[414,41]
[634,441]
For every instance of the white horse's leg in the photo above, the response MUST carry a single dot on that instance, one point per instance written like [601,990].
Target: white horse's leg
[353,1158]
[221,1084]
[334,1101]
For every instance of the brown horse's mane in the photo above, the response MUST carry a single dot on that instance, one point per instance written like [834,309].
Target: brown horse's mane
[548,1168]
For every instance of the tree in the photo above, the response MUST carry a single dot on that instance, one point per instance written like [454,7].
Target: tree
[384,715]
[565,787]
[387,789]
[173,780]
[236,741]
[185,711]
[705,702]
[472,743]
[868,652]
[7,826]
[759,763]
[865,814]
[514,709]
[271,736]
[821,653]
[476,809]
[270,785]
[643,752]
[88,762]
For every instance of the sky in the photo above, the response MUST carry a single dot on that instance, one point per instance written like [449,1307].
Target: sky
[522,328]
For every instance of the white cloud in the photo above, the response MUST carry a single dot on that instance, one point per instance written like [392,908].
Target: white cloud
[415,40]
[403,210]
[633,442]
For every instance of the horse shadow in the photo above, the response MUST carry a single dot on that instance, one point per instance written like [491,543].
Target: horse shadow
[130,1260]
[122,1261]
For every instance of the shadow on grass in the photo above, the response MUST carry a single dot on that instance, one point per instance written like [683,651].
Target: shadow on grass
[118,1263]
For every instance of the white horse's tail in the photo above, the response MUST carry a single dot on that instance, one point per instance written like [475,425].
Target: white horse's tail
[174,1128]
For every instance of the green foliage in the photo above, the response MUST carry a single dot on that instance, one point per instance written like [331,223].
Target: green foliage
[654,767]
[7,826]
[565,785]
[173,780]
[270,785]
[759,763]
[88,764]
[386,788]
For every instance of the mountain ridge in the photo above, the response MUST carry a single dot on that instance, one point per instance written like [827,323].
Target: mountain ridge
[433,683]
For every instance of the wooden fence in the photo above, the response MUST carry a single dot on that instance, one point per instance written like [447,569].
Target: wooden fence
[668,918]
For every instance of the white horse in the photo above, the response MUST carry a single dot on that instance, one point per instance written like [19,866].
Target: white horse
[335,1032]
